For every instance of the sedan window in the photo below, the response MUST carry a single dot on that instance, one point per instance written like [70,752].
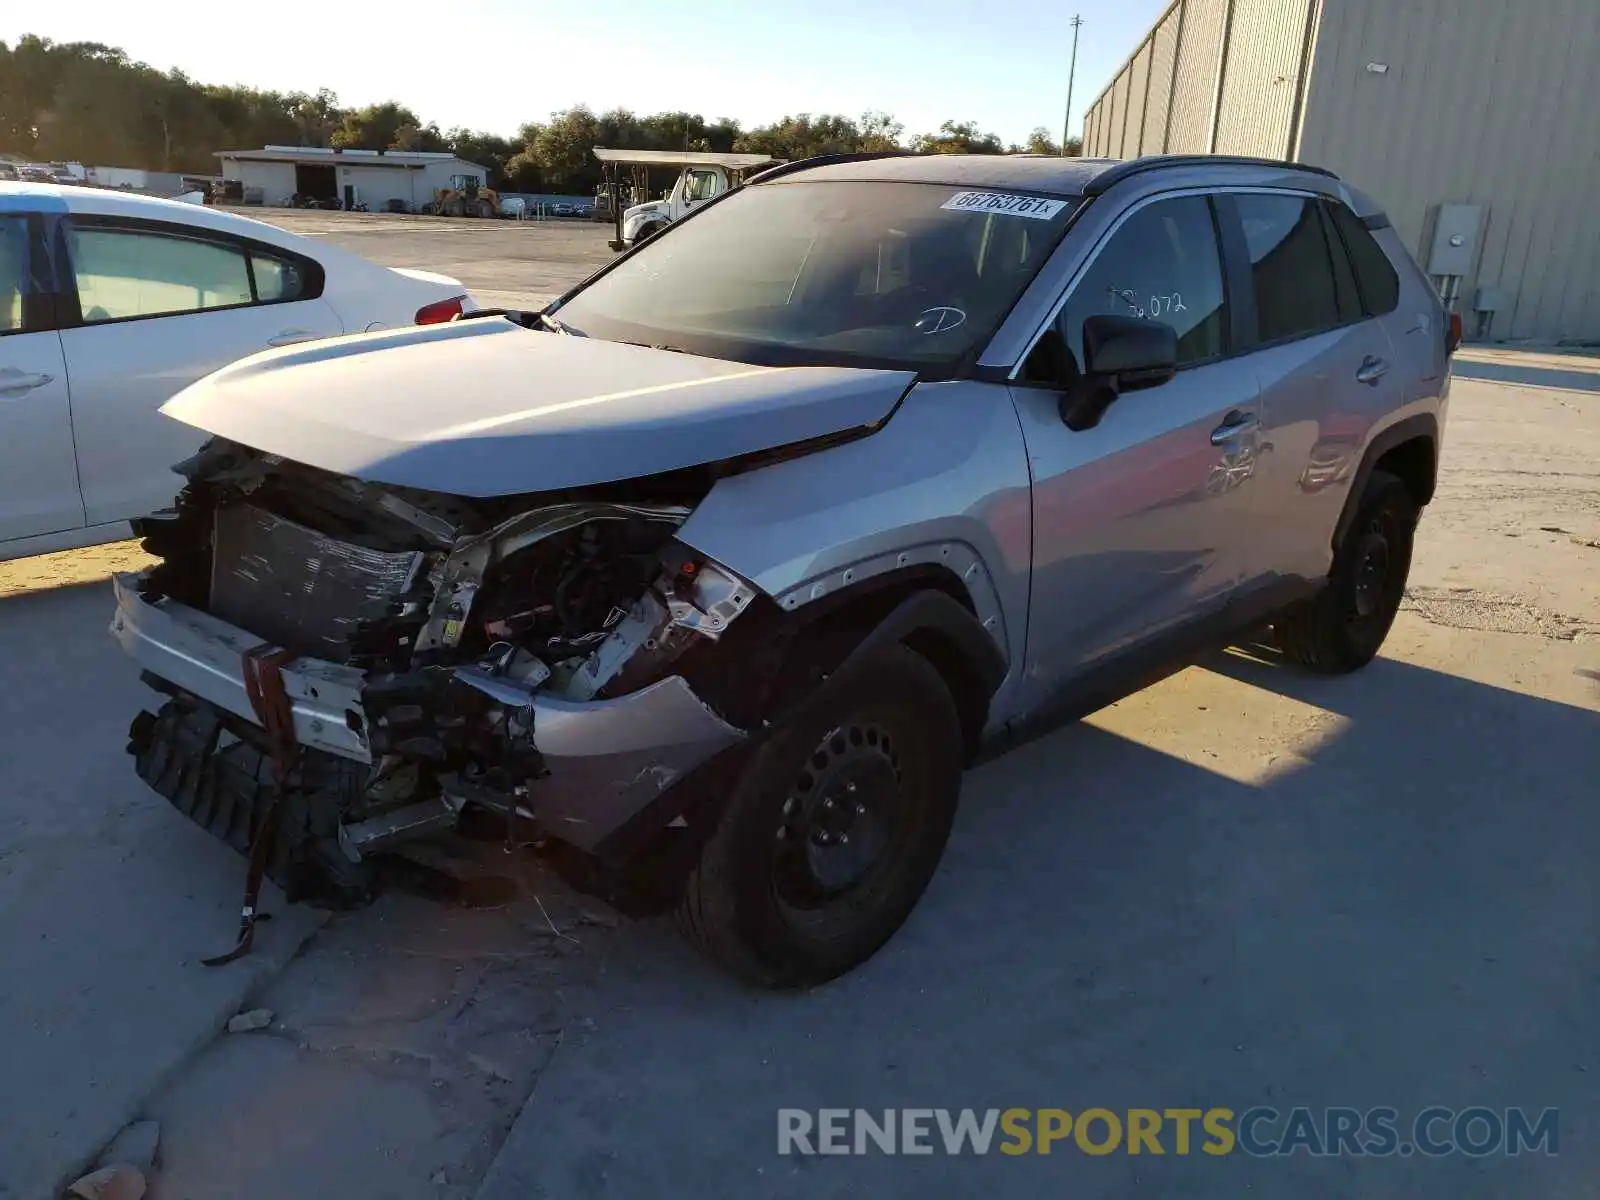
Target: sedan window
[13,271]
[278,279]
[123,273]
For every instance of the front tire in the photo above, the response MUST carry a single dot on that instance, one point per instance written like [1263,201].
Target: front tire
[1344,626]
[834,827]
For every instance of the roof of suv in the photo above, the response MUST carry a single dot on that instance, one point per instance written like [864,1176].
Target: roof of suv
[1028,172]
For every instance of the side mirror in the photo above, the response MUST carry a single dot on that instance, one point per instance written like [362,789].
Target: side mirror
[1136,352]
[1121,354]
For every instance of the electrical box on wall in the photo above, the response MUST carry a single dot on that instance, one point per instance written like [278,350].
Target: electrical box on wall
[1456,230]
[1491,300]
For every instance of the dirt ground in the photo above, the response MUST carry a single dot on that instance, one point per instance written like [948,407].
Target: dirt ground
[1242,886]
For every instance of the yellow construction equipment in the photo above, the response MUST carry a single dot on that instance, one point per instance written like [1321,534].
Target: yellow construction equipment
[466,197]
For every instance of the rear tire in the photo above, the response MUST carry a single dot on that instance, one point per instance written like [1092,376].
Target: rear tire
[1343,627]
[835,826]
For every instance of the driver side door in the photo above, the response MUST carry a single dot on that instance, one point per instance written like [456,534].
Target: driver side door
[1142,522]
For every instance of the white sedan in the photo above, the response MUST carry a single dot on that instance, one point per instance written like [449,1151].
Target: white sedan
[110,303]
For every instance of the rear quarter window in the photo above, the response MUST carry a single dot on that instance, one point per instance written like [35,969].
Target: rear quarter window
[280,280]
[1376,277]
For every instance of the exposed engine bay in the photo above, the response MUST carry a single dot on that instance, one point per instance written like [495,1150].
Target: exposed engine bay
[557,660]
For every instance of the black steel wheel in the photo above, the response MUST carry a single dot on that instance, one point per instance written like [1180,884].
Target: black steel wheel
[834,827]
[1344,626]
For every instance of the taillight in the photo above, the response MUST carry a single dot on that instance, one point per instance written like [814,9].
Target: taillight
[1453,338]
[440,311]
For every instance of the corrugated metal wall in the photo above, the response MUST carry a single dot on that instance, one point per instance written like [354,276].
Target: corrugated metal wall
[1163,98]
[1138,88]
[1194,93]
[1163,58]
[1119,114]
[1261,77]
[1484,102]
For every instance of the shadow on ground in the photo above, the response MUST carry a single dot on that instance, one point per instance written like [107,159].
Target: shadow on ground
[1405,916]
[1564,378]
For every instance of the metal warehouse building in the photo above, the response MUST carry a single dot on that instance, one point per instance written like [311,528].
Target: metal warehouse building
[1472,121]
[370,177]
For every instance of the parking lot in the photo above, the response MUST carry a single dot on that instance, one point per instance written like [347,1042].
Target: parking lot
[506,263]
[1244,886]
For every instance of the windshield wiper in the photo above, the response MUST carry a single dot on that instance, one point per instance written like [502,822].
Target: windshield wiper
[555,326]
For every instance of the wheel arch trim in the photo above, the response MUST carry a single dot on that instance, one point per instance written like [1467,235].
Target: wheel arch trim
[963,563]
[1418,426]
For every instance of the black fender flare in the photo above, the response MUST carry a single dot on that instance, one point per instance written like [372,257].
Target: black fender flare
[936,612]
[1422,425]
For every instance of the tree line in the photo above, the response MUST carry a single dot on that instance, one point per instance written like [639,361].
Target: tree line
[87,102]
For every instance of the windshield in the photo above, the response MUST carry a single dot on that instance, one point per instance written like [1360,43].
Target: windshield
[906,275]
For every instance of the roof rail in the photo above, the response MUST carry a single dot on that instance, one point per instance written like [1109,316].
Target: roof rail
[823,160]
[1154,162]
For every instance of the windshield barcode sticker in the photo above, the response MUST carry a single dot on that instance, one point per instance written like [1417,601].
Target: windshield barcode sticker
[1036,207]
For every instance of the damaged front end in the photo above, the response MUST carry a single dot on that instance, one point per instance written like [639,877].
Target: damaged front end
[545,659]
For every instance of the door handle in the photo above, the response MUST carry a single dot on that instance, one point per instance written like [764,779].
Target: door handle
[1234,425]
[14,383]
[291,336]
[1371,370]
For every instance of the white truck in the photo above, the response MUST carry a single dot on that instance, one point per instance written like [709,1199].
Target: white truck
[702,176]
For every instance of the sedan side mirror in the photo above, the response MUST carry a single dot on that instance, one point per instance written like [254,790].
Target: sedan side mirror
[1121,354]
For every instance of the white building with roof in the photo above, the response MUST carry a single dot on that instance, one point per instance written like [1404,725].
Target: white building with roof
[370,177]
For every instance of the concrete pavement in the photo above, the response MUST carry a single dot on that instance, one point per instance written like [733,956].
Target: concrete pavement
[110,898]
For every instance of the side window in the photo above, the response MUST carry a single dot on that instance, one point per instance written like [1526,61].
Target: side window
[1344,276]
[123,273]
[1290,265]
[279,280]
[1375,274]
[1162,264]
[702,185]
[13,272]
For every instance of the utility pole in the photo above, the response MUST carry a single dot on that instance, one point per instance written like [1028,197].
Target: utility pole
[1066,124]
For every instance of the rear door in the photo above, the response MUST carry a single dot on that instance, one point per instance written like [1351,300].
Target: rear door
[158,306]
[1325,369]
[38,474]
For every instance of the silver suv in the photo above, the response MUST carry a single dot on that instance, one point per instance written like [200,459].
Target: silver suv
[713,576]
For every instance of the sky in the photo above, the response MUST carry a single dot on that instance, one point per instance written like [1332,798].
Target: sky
[495,64]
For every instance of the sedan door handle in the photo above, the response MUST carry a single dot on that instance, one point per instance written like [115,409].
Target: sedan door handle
[291,336]
[14,383]
[1234,425]
[1371,370]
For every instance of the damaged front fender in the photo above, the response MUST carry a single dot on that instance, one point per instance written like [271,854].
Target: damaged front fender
[609,759]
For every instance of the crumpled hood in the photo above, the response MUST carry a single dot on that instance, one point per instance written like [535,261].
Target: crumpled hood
[487,408]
